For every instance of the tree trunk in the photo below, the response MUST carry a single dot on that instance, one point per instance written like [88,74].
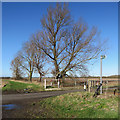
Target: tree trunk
[30,77]
[63,80]
[56,67]
[40,78]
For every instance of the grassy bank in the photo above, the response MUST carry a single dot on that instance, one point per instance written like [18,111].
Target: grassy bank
[77,105]
[17,87]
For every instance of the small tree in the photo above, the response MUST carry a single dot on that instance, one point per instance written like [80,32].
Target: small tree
[16,68]
[27,57]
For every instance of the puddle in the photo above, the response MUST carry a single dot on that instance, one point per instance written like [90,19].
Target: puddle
[10,106]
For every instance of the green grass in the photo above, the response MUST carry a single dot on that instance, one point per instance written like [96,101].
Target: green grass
[5,80]
[12,86]
[79,105]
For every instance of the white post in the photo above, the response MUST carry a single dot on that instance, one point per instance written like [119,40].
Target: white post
[101,57]
[45,83]
[58,83]
[75,82]
[101,74]
[51,83]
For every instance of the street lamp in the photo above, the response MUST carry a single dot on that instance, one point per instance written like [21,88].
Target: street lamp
[101,57]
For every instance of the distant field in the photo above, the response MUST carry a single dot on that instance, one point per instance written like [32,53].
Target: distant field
[77,105]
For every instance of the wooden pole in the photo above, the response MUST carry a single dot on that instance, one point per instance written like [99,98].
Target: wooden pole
[89,85]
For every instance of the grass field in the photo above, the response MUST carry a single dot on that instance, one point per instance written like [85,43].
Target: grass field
[18,87]
[78,105]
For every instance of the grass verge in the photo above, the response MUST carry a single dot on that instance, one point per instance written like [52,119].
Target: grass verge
[17,87]
[77,105]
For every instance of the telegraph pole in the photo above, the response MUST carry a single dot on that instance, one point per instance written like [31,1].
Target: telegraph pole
[101,57]
[101,74]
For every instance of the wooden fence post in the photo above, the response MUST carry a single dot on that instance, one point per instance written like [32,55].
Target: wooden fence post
[107,86]
[89,85]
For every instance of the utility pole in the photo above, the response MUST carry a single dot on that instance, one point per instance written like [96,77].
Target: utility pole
[101,74]
[101,57]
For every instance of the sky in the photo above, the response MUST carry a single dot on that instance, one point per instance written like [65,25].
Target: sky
[21,19]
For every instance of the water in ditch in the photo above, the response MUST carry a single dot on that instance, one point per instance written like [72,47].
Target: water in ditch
[10,106]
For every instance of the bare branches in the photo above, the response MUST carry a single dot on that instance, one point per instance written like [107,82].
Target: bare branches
[39,60]
[16,68]
[67,44]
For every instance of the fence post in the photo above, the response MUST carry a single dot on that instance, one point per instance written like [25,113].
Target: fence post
[93,83]
[75,82]
[89,85]
[45,83]
[106,85]
[51,83]
[58,83]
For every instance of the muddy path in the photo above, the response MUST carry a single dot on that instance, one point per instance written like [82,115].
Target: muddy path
[26,103]
[22,109]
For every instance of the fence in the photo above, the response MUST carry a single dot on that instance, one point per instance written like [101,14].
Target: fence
[60,83]
[109,86]
[91,84]
[52,83]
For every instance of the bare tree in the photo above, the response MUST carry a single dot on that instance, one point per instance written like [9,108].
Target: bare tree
[27,57]
[16,68]
[39,59]
[69,45]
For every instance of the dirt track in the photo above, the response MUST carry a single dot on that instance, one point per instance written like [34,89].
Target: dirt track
[25,102]
[44,94]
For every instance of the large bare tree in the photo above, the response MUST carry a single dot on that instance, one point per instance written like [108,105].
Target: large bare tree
[16,68]
[70,45]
